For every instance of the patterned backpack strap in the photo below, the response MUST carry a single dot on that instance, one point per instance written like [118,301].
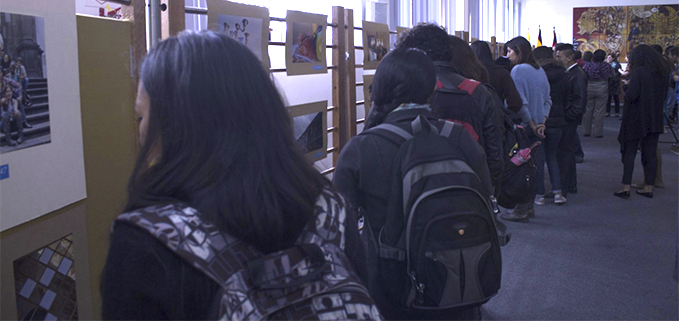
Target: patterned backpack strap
[255,286]
[217,254]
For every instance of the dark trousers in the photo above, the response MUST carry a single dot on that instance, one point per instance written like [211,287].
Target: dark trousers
[565,156]
[616,98]
[649,144]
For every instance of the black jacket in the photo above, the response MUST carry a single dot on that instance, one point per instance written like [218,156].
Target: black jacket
[577,95]
[492,118]
[644,101]
[557,91]
[363,174]
[503,84]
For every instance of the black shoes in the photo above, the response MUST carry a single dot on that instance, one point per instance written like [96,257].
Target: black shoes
[622,194]
[647,194]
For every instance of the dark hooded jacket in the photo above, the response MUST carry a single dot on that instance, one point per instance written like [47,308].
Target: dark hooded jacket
[556,75]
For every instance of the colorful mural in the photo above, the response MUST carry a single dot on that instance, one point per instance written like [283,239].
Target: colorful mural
[620,29]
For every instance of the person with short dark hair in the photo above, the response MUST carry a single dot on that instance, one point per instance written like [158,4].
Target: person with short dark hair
[400,91]
[573,111]
[436,43]
[556,74]
[587,57]
[9,108]
[533,86]
[642,121]
[613,85]
[598,74]
[578,58]
[216,144]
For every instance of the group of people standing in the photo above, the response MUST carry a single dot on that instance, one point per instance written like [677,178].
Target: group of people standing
[248,185]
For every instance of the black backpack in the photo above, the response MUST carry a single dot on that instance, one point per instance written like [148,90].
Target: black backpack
[439,249]
[456,104]
[312,280]
[518,182]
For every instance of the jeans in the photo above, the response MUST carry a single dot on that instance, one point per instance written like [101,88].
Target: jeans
[551,144]
[538,156]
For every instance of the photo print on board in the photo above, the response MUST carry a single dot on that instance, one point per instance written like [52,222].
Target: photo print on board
[310,128]
[23,93]
[305,46]
[375,43]
[245,23]
[367,82]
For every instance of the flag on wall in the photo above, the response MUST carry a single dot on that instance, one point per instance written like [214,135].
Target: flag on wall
[539,37]
[554,41]
[528,35]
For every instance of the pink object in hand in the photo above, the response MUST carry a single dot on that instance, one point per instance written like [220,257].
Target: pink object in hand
[524,155]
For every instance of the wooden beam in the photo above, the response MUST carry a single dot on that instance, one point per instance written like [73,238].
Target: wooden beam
[351,74]
[339,84]
[173,19]
[138,36]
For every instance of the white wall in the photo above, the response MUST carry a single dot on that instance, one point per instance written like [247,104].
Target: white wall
[559,14]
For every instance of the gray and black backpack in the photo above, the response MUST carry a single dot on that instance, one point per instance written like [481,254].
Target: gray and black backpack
[313,280]
[440,246]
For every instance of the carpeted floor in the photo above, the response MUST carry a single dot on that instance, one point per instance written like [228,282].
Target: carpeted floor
[598,257]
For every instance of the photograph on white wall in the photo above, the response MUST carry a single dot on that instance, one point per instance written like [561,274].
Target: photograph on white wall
[245,23]
[305,43]
[23,93]
[50,175]
[100,8]
[375,43]
[310,123]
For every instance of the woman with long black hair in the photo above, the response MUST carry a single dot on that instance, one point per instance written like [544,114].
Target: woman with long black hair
[533,86]
[403,83]
[500,78]
[642,120]
[217,147]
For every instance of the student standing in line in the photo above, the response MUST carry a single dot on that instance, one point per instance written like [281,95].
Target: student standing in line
[573,111]
[533,86]
[400,91]
[219,163]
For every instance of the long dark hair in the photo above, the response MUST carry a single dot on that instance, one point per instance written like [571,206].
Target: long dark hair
[225,141]
[466,61]
[522,47]
[482,52]
[405,75]
[646,56]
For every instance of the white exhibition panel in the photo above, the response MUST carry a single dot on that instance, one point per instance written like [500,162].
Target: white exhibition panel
[47,177]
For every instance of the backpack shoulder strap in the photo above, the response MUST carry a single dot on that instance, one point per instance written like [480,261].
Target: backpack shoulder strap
[394,134]
[469,85]
[254,286]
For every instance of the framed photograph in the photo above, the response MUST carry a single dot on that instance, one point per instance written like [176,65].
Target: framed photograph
[375,43]
[305,43]
[24,99]
[47,167]
[367,82]
[310,128]
[245,23]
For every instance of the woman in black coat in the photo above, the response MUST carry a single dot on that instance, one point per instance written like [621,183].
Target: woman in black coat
[403,83]
[643,117]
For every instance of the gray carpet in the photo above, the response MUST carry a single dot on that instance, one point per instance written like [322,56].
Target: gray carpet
[598,257]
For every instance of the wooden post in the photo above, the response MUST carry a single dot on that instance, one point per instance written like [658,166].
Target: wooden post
[173,19]
[138,36]
[493,47]
[351,74]
[339,83]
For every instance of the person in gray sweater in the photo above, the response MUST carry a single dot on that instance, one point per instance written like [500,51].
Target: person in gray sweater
[533,86]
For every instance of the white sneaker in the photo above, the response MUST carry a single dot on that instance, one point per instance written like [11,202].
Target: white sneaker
[539,200]
[559,199]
